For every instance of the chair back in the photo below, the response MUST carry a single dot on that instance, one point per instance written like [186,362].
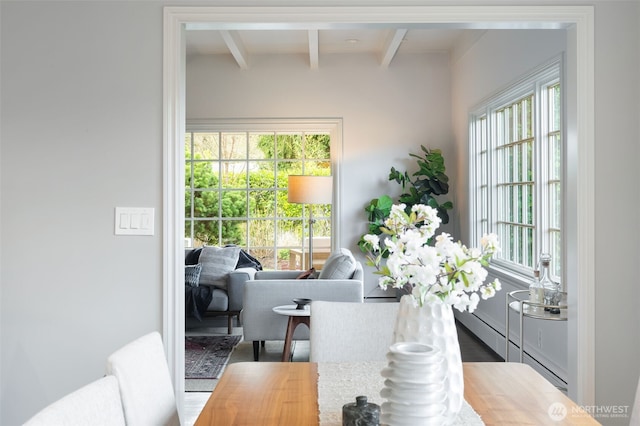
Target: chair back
[145,382]
[347,332]
[97,403]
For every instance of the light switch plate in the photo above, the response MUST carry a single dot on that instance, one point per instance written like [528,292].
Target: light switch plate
[134,220]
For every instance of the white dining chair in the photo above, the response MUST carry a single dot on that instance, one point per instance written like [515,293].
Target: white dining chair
[97,403]
[145,382]
[345,331]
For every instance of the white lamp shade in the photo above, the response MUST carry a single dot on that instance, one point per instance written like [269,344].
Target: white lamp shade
[310,189]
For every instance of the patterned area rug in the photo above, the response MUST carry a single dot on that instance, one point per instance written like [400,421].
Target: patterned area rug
[206,356]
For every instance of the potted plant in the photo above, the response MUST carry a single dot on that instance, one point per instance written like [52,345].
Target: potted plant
[421,187]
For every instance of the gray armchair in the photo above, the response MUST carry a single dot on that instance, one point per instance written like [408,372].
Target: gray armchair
[275,288]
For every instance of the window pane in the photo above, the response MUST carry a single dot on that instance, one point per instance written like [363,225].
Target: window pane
[188,233]
[261,233]
[205,204]
[206,146]
[187,174]
[264,255]
[235,204]
[201,174]
[322,228]
[234,146]
[187,145]
[289,234]
[205,232]
[260,146]
[317,168]
[554,107]
[556,250]
[318,147]
[287,209]
[234,174]
[289,146]
[234,232]
[262,204]
[267,258]
[556,156]
[261,175]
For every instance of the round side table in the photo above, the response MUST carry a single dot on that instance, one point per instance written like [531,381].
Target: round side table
[518,302]
[296,316]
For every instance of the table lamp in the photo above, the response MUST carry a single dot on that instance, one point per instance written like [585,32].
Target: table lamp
[310,190]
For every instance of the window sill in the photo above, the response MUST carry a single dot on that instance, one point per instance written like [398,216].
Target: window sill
[514,278]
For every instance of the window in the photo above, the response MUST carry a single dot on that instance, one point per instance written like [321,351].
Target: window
[236,187]
[516,158]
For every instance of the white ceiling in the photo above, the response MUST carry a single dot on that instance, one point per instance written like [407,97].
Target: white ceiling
[384,43]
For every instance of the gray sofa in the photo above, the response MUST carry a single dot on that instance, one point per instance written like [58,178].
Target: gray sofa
[217,299]
[275,288]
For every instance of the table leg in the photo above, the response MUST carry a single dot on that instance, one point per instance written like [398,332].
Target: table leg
[506,334]
[291,327]
[521,333]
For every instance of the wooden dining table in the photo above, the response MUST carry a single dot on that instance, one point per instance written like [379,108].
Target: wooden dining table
[281,394]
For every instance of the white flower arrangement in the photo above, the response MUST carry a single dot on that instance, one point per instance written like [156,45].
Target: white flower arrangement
[445,272]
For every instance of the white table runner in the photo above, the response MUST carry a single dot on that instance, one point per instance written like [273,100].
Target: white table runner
[340,383]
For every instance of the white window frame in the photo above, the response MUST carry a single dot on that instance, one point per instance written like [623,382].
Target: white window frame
[333,127]
[485,168]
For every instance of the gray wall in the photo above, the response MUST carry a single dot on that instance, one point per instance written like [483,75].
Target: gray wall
[81,133]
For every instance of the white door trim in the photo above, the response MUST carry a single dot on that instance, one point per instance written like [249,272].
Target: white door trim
[579,20]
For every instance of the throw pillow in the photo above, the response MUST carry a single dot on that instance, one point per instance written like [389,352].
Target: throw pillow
[217,263]
[192,275]
[307,275]
[245,260]
[192,256]
[339,266]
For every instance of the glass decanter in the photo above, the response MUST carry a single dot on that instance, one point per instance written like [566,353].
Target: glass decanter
[536,293]
[552,294]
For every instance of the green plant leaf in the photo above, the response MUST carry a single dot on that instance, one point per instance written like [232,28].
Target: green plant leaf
[443,215]
[418,188]
[436,187]
[385,203]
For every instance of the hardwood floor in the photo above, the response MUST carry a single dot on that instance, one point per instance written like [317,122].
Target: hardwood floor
[471,348]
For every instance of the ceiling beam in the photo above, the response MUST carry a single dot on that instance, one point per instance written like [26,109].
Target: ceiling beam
[313,49]
[236,47]
[391,46]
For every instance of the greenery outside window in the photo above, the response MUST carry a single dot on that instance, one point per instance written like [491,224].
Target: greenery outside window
[236,187]
[517,163]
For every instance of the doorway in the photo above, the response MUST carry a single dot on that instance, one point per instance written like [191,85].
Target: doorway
[577,21]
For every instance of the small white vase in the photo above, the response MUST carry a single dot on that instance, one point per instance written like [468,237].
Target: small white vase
[434,324]
[414,386]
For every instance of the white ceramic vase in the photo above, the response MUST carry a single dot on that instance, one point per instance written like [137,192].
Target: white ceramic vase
[434,324]
[414,386]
